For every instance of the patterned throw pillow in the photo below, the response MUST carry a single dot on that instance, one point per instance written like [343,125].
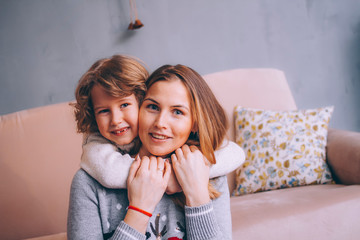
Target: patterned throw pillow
[283,148]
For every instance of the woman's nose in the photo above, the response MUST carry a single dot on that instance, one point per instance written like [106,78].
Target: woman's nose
[161,120]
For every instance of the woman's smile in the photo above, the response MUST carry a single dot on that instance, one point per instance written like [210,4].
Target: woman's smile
[157,136]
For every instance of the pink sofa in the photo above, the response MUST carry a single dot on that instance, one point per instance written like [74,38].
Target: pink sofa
[40,152]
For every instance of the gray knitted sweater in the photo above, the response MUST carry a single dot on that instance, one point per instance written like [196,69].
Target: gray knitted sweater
[96,212]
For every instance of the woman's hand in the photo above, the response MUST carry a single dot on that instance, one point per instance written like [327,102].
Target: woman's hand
[192,172]
[147,182]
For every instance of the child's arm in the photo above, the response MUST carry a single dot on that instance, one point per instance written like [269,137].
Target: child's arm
[228,157]
[102,160]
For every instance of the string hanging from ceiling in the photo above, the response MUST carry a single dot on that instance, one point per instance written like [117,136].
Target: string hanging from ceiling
[135,23]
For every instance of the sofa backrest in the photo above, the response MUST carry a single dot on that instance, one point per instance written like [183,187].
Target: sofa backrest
[40,150]
[255,88]
[39,154]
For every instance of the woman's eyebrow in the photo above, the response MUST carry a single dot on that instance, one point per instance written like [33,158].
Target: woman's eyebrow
[181,106]
[173,106]
[150,99]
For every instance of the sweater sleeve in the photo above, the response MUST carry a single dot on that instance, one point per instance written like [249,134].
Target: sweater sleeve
[125,232]
[102,160]
[228,158]
[211,221]
[84,220]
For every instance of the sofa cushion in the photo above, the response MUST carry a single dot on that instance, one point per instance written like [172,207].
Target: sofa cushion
[327,211]
[283,148]
[265,88]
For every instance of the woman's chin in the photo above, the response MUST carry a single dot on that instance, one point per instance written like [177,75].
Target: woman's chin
[158,152]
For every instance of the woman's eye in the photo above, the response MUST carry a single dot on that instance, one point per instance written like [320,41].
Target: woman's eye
[152,107]
[178,112]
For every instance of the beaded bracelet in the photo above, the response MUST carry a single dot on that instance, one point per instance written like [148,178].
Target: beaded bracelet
[140,210]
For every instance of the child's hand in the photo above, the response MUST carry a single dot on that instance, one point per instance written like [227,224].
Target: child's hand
[147,181]
[192,172]
[173,185]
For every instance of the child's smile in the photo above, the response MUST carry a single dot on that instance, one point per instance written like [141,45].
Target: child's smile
[121,131]
[116,117]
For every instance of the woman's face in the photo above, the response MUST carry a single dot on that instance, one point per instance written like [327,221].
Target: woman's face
[165,119]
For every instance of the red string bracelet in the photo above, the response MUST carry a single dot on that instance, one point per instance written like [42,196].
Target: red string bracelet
[140,210]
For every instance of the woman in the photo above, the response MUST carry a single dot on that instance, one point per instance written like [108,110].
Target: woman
[178,104]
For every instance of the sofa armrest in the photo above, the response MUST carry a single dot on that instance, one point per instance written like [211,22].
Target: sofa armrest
[343,155]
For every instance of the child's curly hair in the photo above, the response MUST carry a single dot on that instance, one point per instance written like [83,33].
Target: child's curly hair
[119,75]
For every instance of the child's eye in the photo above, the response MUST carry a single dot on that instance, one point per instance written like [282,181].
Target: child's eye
[103,111]
[124,105]
[152,107]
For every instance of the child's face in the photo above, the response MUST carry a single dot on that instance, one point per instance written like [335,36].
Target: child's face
[116,118]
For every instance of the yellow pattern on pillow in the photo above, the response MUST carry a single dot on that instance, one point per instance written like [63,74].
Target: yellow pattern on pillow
[283,148]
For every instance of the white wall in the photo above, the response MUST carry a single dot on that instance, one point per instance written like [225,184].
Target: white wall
[46,45]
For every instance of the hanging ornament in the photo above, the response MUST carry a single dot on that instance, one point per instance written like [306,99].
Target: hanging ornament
[134,15]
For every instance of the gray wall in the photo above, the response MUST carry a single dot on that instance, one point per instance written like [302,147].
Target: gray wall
[46,45]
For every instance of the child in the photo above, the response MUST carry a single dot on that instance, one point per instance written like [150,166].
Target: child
[108,97]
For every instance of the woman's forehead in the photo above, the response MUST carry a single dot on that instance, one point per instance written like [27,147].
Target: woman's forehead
[170,91]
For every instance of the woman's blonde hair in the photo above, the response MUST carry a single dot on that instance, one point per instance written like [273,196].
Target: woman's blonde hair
[209,118]
[119,75]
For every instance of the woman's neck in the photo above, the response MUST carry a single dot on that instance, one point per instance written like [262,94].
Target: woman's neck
[144,152]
